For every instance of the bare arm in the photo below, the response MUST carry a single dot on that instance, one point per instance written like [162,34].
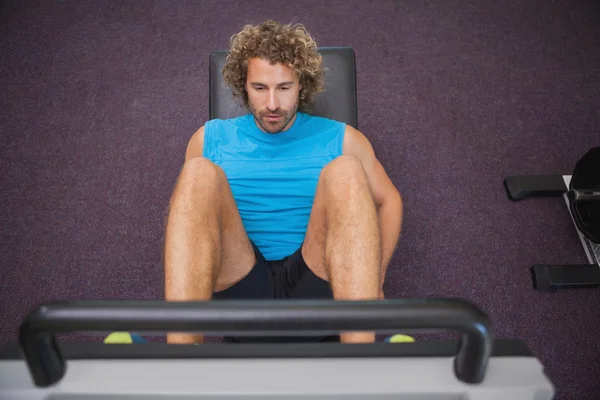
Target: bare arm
[195,146]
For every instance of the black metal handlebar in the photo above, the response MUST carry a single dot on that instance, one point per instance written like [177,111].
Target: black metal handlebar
[283,317]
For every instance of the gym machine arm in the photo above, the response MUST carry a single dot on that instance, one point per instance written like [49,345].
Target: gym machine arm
[47,365]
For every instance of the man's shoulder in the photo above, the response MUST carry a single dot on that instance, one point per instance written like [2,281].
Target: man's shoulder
[355,142]
[224,127]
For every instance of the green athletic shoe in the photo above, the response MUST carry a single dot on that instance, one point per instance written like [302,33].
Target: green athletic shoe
[123,338]
[400,339]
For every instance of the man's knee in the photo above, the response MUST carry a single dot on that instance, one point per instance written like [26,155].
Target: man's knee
[199,173]
[344,170]
[200,169]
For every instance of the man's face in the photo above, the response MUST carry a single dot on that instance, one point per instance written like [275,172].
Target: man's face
[273,94]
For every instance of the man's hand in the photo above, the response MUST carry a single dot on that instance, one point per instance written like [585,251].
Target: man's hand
[381,294]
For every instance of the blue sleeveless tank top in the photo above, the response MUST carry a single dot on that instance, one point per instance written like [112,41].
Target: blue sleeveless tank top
[273,177]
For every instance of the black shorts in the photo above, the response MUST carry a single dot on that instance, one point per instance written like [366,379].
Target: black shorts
[288,278]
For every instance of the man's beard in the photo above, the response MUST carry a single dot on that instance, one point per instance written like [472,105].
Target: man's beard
[275,126]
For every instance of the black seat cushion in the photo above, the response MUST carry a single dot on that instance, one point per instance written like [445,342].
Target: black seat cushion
[337,102]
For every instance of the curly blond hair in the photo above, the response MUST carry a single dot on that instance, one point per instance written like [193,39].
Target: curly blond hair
[288,44]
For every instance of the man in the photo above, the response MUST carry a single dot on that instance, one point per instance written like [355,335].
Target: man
[278,203]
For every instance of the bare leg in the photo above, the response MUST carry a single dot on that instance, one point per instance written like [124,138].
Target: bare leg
[343,243]
[206,246]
